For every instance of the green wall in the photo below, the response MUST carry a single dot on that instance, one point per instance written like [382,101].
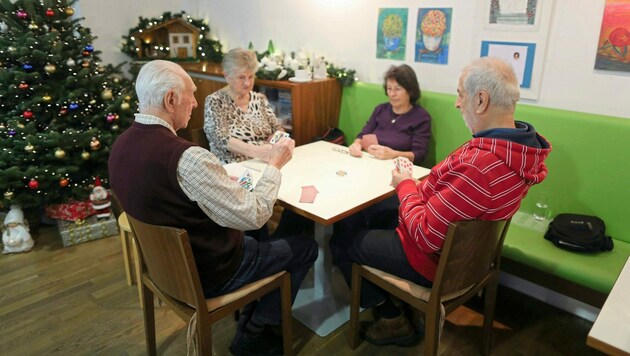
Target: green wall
[589,166]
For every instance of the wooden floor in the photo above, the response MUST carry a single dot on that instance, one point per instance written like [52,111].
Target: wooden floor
[75,301]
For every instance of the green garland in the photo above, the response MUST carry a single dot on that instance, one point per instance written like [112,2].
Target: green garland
[211,48]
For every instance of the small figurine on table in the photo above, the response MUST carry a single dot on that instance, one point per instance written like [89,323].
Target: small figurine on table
[101,200]
[15,235]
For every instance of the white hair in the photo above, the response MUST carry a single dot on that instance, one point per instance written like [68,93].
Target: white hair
[494,76]
[239,59]
[154,80]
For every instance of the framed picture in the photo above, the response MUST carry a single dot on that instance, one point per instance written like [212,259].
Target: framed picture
[519,55]
[614,38]
[433,35]
[391,33]
[513,15]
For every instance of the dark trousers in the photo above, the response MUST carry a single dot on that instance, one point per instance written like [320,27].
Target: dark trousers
[295,254]
[353,242]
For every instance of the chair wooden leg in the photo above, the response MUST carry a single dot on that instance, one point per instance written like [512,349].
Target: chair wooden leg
[488,315]
[137,263]
[432,331]
[149,319]
[126,255]
[204,340]
[355,301]
[287,322]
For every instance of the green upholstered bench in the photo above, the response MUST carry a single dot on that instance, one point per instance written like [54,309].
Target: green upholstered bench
[589,174]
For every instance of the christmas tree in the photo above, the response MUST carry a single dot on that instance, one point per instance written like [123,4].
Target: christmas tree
[60,108]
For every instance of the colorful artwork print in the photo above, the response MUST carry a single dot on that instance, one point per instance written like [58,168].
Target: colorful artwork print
[513,12]
[614,37]
[433,35]
[391,33]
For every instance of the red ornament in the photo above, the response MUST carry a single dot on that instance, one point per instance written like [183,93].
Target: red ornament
[27,115]
[21,14]
[63,111]
[23,86]
[33,184]
[85,53]
[63,182]
[50,13]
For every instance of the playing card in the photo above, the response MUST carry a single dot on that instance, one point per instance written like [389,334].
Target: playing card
[368,140]
[403,165]
[277,136]
[309,193]
[246,181]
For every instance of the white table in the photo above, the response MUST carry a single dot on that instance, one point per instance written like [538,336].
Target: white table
[346,185]
[611,331]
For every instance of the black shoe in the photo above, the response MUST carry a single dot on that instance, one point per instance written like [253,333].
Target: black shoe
[264,343]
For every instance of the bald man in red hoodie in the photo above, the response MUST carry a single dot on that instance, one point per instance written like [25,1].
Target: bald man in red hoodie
[484,179]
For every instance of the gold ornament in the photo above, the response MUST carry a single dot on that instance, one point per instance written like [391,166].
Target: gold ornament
[124,106]
[85,155]
[127,98]
[8,195]
[95,144]
[106,94]
[115,127]
[92,102]
[33,26]
[116,80]
[69,11]
[46,98]
[50,68]
[59,153]
[85,63]
[29,148]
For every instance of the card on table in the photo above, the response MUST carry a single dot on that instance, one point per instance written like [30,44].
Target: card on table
[368,140]
[403,165]
[309,192]
[277,136]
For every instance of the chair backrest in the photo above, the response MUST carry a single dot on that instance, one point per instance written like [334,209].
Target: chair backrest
[169,261]
[116,207]
[471,252]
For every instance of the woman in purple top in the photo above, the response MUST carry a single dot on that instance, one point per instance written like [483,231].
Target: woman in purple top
[402,127]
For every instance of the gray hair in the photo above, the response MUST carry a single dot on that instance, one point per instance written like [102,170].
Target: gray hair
[494,76]
[154,80]
[239,58]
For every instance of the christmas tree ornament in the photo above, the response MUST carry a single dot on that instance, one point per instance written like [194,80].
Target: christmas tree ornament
[33,26]
[12,132]
[50,68]
[85,53]
[70,62]
[95,144]
[8,195]
[59,153]
[21,14]
[85,63]
[15,235]
[63,111]
[27,67]
[29,148]
[85,155]
[92,102]
[115,127]
[116,80]
[124,106]
[73,106]
[33,184]
[111,117]
[27,115]
[106,94]
[69,11]
[50,12]
[46,98]
[20,125]
[11,49]
[89,48]
[63,182]
[3,27]
[23,86]
[127,98]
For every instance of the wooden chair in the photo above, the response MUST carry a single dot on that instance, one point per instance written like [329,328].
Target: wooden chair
[129,247]
[469,263]
[171,274]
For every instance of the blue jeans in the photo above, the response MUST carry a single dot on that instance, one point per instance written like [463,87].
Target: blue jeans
[294,254]
[354,242]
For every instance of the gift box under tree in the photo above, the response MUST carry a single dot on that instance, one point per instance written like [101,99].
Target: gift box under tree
[89,229]
[70,211]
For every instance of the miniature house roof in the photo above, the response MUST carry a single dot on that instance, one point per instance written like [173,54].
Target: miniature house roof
[159,34]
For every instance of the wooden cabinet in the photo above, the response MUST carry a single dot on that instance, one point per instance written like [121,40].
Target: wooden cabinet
[314,105]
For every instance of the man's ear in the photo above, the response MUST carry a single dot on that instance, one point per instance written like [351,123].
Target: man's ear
[483,100]
[169,101]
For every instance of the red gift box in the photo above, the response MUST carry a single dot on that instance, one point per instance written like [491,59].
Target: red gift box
[70,211]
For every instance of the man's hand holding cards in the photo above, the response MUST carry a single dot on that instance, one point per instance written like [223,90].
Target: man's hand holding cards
[403,165]
[277,136]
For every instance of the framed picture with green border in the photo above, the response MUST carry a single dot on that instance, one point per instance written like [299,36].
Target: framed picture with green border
[391,33]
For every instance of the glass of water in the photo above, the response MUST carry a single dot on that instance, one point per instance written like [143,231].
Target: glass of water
[541,209]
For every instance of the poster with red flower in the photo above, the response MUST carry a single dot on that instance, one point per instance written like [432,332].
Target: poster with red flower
[614,37]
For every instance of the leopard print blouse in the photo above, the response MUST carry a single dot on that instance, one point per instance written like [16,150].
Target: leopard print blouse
[223,119]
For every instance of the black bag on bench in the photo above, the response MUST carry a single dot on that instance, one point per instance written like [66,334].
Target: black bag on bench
[582,233]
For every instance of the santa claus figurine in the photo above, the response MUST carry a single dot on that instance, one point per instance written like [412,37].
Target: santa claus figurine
[15,235]
[101,200]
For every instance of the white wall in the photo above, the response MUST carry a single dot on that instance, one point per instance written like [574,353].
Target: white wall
[344,31]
